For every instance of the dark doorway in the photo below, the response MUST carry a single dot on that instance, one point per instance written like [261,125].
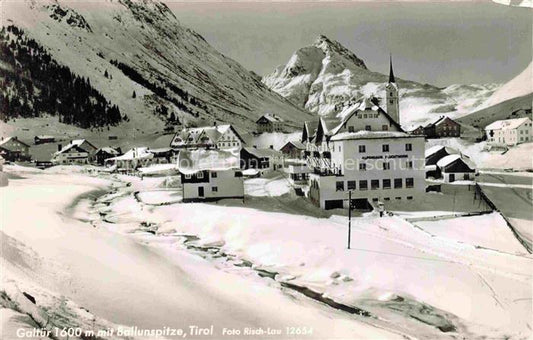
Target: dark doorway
[200,191]
[452,177]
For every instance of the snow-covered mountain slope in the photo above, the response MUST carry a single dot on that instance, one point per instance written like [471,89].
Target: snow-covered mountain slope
[321,77]
[142,47]
[519,86]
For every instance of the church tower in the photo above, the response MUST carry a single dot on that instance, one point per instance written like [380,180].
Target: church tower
[393,104]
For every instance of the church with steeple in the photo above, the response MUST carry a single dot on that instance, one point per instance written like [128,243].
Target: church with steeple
[393,103]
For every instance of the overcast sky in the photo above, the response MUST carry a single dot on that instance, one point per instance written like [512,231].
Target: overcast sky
[441,43]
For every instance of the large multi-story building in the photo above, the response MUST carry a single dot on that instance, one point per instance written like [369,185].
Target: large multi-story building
[223,137]
[363,150]
[510,131]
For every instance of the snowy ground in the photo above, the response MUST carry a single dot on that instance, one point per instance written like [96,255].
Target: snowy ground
[430,283]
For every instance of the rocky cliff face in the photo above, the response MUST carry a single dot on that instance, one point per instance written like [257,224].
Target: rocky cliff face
[323,76]
[123,47]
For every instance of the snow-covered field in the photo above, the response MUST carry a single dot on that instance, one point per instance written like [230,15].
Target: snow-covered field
[148,272]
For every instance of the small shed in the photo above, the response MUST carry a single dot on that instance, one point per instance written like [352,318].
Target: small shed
[455,167]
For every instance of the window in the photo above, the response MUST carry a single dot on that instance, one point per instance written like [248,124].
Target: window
[368,128]
[386,184]
[362,148]
[351,129]
[408,147]
[362,166]
[188,176]
[339,186]
[375,199]
[391,101]
[409,197]
[238,174]
[351,185]
[214,189]
[374,184]
[386,165]
[386,199]
[214,174]
[385,127]
[409,164]
[385,147]
[200,175]
[397,183]
[363,185]
[399,198]
[409,182]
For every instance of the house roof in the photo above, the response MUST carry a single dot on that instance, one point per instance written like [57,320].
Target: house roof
[192,161]
[74,143]
[45,137]
[271,118]
[109,150]
[507,124]
[447,160]
[5,140]
[372,135]
[263,153]
[212,132]
[434,149]
[135,153]
[296,144]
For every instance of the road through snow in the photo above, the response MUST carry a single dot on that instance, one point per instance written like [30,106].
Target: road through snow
[130,283]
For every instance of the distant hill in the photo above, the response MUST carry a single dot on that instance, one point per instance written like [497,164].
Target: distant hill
[512,108]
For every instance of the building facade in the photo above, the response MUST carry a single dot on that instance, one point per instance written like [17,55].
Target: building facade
[509,132]
[13,149]
[78,151]
[364,150]
[223,137]
[269,123]
[208,175]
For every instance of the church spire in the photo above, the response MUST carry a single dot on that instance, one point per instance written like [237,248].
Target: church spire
[391,73]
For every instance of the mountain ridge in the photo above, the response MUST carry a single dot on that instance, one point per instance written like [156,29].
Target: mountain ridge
[325,80]
[202,85]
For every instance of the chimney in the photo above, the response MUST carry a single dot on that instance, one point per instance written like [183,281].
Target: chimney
[59,147]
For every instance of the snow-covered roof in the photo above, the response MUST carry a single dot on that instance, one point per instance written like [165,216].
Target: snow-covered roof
[447,160]
[507,124]
[193,135]
[263,153]
[135,153]
[192,161]
[5,140]
[109,150]
[372,135]
[45,137]
[73,143]
[434,149]
[297,144]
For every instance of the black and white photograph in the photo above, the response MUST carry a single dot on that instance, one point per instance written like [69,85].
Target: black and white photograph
[266,170]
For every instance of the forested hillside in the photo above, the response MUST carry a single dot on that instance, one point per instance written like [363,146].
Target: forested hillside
[32,84]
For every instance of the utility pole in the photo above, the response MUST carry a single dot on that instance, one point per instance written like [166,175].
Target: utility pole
[349,217]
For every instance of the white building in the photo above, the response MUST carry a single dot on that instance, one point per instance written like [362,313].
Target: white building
[509,131]
[208,175]
[363,150]
[223,137]
[78,151]
[135,158]
[455,168]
